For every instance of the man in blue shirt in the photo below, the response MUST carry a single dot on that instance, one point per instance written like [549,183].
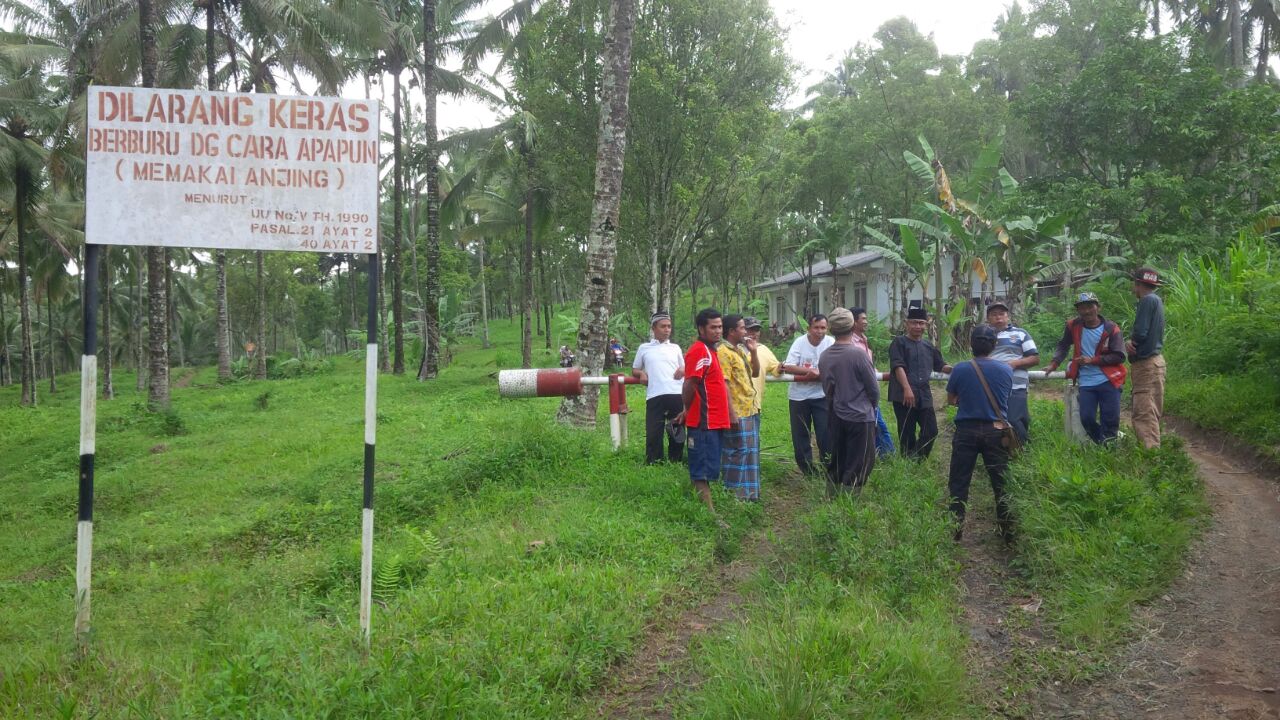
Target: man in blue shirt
[1097,366]
[978,427]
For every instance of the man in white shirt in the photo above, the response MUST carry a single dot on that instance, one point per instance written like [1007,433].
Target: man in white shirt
[808,402]
[659,364]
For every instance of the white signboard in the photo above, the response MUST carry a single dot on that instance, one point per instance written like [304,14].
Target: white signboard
[187,168]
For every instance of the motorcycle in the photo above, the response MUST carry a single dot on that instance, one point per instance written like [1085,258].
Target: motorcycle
[567,360]
[617,357]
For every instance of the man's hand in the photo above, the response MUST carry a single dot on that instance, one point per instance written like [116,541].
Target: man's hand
[678,419]
[908,398]
[679,373]
[1130,348]
[750,344]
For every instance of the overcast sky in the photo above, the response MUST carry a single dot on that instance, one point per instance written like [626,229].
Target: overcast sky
[820,31]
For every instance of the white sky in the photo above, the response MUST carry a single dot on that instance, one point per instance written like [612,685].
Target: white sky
[820,31]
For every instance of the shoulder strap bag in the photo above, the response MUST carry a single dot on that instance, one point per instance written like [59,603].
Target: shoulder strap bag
[1008,436]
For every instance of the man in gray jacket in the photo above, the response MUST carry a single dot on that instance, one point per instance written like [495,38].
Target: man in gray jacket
[853,391]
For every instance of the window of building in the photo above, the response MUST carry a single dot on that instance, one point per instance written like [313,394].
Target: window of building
[859,295]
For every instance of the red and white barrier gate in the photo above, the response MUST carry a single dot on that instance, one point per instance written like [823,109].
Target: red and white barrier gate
[564,382]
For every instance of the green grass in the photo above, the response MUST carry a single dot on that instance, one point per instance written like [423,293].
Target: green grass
[859,618]
[517,562]
[1244,404]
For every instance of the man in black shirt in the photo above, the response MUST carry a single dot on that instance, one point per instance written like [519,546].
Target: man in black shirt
[912,359]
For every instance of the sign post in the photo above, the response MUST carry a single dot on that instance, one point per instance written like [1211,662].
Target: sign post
[190,168]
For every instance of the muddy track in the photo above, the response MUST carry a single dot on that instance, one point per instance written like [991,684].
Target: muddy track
[643,685]
[1209,648]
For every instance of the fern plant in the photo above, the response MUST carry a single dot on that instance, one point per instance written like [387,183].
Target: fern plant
[387,580]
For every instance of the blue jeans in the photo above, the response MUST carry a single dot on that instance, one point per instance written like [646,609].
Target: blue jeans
[704,454]
[884,439]
[806,413]
[1101,400]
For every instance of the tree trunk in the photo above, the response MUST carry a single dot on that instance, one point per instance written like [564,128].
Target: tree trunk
[157,332]
[158,306]
[1264,52]
[139,361]
[1236,23]
[53,369]
[484,301]
[260,352]
[545,294]
[108,385]
[597,294]
[397,227]
[222,336]
[430,366]
[175,336]
[526,265]
[28,370]
[6,371]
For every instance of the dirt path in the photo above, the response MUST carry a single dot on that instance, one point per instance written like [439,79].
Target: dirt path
[640,688]
[1210,648]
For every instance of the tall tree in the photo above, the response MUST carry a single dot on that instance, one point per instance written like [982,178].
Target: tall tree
[430,366]
[157,326]
[611,145]
[222,338]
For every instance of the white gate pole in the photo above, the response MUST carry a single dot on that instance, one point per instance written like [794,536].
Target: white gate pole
[88,441]
[370,428]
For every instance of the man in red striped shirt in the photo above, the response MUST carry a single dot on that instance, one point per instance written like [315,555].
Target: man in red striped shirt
[708,411]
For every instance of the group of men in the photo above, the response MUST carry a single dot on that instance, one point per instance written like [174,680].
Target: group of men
[709,398]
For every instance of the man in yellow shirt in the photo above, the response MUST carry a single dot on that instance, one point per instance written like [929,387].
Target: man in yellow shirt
[740,458]
[769,364]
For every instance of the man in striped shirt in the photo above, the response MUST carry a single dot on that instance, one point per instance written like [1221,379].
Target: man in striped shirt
[1016,348]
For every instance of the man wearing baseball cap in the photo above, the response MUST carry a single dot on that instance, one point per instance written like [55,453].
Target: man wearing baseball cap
[1097,366]
[1145,358]
[1015,347]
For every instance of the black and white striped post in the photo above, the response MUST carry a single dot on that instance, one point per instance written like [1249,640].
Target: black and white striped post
[88,434]
[370,434]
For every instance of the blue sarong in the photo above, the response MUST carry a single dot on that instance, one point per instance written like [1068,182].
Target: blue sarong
[740,459]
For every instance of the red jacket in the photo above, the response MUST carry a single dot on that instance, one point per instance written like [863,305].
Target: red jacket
[1109,355]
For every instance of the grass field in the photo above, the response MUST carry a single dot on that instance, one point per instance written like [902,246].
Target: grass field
[517,563]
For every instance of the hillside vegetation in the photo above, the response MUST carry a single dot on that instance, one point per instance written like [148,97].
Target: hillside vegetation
[519,562]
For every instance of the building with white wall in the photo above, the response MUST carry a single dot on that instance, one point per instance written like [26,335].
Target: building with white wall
[861,279]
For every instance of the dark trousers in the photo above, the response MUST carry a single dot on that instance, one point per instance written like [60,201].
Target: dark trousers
[806,413]
[1019,415]
[1101,400]
[917,428]
[974,438]
[853,452]
[658,412]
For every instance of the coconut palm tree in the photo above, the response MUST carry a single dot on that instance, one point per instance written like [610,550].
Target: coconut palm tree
[30,112]
[602,238]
